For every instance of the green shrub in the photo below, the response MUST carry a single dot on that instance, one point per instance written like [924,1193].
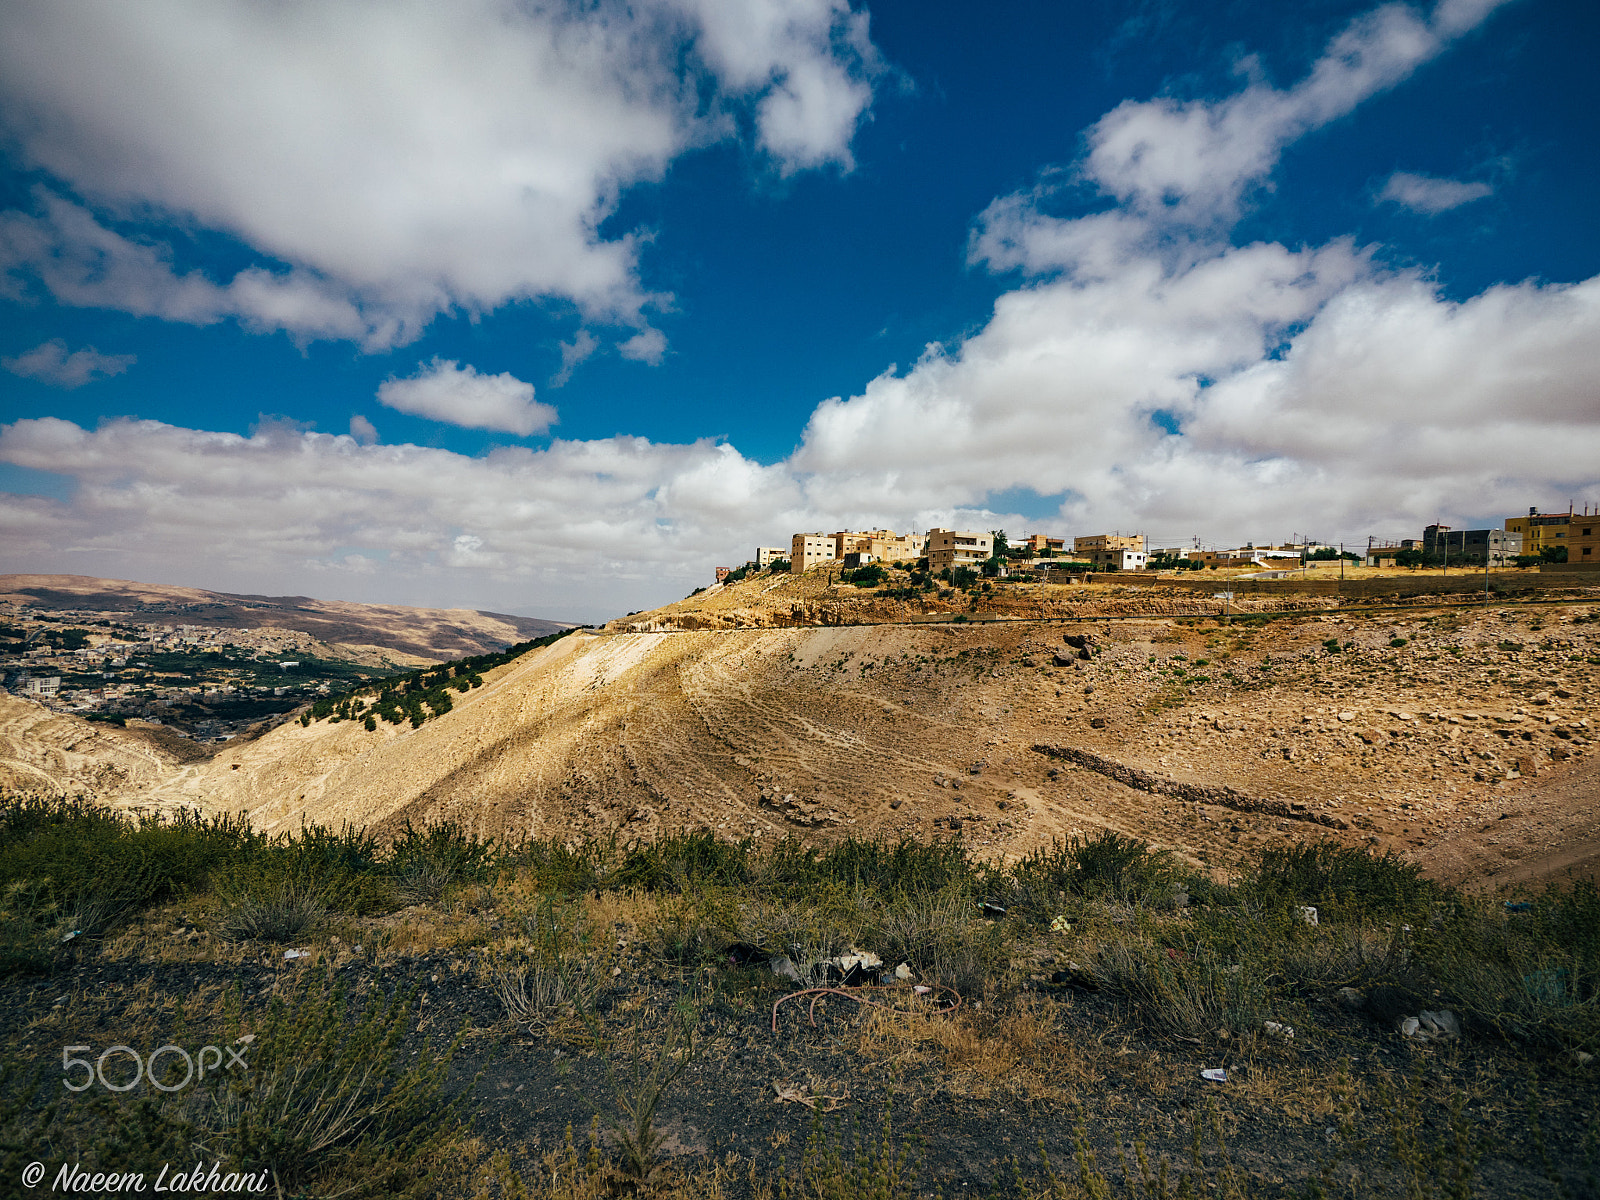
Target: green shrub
[1342,878]
[426,863]
[330,1098]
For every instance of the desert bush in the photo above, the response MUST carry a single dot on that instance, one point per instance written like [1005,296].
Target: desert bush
[1341,878]
[1189,992]
[681,861]
[68,866]
[329,1096]
[550,975]
[1107,866]
[428,862]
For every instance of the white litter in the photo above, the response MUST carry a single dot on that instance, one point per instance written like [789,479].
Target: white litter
[291,954]
[1279,1030]
[1308,914]
[1214,1075]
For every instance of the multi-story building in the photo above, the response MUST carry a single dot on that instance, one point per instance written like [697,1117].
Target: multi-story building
[1496,546]
[1040,543]
[1109,541]
[1540,530]
[948,549]
[767,555]
[1583,539]
[806,550]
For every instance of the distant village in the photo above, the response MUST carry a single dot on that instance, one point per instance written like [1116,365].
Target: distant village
[1539,538]
[203,683]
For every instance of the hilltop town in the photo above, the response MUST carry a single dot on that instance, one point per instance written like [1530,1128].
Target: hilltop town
[1560,539]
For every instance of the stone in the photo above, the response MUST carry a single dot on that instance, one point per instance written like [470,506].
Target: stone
[1350,997]
[1347,716]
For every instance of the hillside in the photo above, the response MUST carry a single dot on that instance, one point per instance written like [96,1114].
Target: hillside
[428,634]
[1461,736]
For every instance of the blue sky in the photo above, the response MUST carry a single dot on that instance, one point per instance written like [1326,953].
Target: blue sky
[552,309]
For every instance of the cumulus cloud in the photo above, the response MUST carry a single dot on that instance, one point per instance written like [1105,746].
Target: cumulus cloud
[1146,370]
[50,362]
[1309,384]
[582,528]
[363,430]
[1428,195]
[393,162]
[444,390]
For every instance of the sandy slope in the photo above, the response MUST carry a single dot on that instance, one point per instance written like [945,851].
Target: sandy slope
[899,729]
[45,752]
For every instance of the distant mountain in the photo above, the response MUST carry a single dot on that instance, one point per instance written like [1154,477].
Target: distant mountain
[435,634]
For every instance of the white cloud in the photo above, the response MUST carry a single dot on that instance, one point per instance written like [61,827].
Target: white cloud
[446,391]
[1429,195]
[585,529]
[393,162]
[1313,389]
[363,430]
[648,346]
[50,362]
[573,353]
[1194,160]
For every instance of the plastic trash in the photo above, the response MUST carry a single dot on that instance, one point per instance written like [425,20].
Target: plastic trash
[70,936]
[1548,986]
[992,910]
[1060,925]
[903,972]
[1278,1029]
[921,989]
[293,954]
[1410,1027]
[1308,914]
[1518,906]
[1214,1075]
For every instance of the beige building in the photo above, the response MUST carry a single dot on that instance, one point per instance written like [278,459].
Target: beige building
[1108,541]
[950,548]
[883,545]
[1039,543]
[806,550]
[767,555]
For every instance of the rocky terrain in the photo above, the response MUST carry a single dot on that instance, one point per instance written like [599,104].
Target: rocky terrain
[1459,735]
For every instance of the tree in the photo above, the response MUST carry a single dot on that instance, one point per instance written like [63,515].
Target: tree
[1553,554]
[1001,545]
[963,577]
[1408,558]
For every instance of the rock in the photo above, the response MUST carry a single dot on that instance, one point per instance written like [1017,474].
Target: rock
[1097,722]
[1441,1025]
[783,968]
[1347,716]
[902,972]
[1276,1029]
[1350,997]
[1062,660]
